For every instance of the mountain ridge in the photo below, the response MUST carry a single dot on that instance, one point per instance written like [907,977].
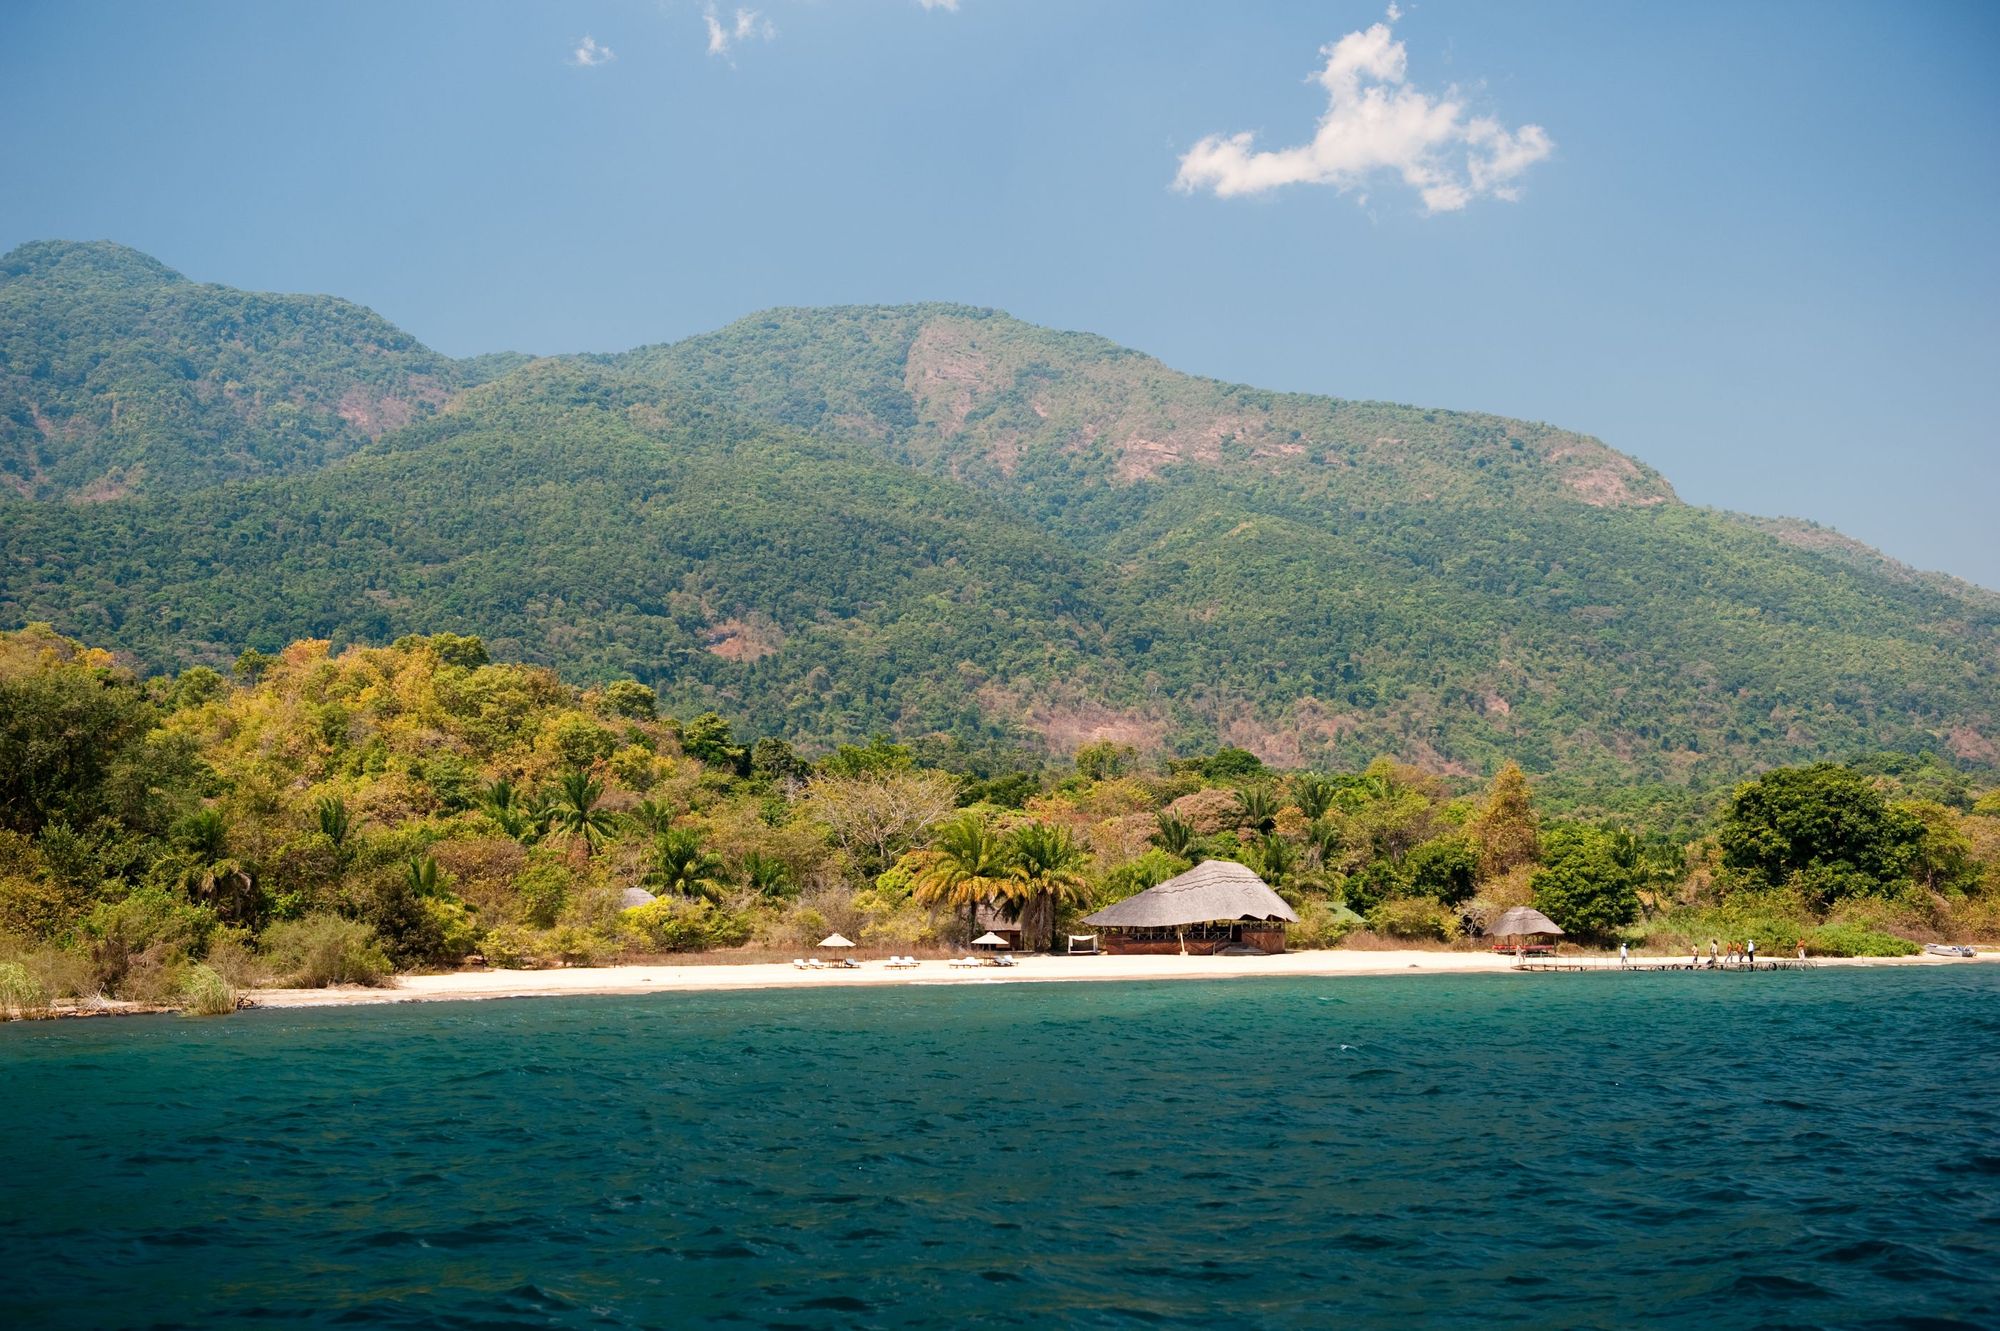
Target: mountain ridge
[935,519]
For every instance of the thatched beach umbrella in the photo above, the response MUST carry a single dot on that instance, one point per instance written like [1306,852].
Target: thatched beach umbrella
[989,939]
[1517,921]
[834,940]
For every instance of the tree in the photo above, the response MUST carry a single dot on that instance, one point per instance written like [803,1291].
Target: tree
[68,725]
[774,760]
[875,816]
[1506,830]
[1177,837]
[1103,760]
[1275,857]
[1257,809]
[683,867]
[1581,884]
[768,876]
[966,865]
[334,820]
[631,699]
[1446,869]
[1230,764]
[1826,826]
[1048,864]
[421,874]
[652,816]
[709,739]
[1313,794]
[575,814]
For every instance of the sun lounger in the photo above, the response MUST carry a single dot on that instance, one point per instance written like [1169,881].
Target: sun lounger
[901,963]
[799,963]
[965,961]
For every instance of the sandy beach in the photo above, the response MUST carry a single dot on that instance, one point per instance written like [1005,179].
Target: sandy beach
[494,984]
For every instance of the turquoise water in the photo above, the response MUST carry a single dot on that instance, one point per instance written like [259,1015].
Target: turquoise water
[1674,1150]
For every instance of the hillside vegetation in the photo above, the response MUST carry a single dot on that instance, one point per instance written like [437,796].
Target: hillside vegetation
[322,817]
[932,521]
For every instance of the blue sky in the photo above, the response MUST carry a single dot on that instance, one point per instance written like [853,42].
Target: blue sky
[1750,244]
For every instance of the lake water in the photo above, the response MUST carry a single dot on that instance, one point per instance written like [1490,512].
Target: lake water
[1817,1149]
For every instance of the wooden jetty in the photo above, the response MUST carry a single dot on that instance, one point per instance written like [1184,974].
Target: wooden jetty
[1653,967]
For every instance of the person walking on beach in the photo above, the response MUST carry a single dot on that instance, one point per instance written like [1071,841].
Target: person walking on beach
[1750,954]
[1713,948]
[1802,949]
[1624,955]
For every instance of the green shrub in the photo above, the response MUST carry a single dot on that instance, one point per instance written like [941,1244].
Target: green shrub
[510,947]
[21,995]
[544,888]
[1857,940]
[1321,924]
[320,950]
[206,994]
[578,947]
[1414,917]
[678,925]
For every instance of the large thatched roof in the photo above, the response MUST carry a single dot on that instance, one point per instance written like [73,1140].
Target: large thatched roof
[1212,890]
[1522,920]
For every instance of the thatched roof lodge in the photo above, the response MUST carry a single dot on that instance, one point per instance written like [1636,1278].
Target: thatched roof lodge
[1217,906]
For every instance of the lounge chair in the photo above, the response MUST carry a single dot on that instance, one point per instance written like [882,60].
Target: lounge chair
[799,963]
[847,964]
[965,961]
[1004,959]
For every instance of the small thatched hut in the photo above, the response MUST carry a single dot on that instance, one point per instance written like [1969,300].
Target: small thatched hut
[1217,906]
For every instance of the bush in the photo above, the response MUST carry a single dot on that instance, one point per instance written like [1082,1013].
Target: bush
[1856,940]
[578,947]
[671,925]
[544,889]
[21,995]
[320,950]
[206,994]
[1321,924]
[1414,917]
[510,947]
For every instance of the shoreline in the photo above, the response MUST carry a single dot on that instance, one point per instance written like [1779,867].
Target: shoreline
[486,985]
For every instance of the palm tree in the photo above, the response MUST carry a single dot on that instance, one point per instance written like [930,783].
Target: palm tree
[767,875]
[334,820]
[422,876]
[967,864]
[510,813]
[683,867]
[1047,864]
[575,815]
[1177,837]
[652,816]
[1327,840]
[1276,858]
[1257,808]
[1313,794]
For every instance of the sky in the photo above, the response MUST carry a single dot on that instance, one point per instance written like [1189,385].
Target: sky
[1752,245]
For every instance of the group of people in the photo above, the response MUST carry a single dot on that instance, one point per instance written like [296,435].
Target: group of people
[1736,954]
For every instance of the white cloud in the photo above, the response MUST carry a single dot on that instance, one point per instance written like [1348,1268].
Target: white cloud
[951,5]
[748,26]
[1375,122]
[589,54]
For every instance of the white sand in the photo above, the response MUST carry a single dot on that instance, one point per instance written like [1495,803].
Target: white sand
[466,985]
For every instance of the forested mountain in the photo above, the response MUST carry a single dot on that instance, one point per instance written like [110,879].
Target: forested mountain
[935,519]
[120,376]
